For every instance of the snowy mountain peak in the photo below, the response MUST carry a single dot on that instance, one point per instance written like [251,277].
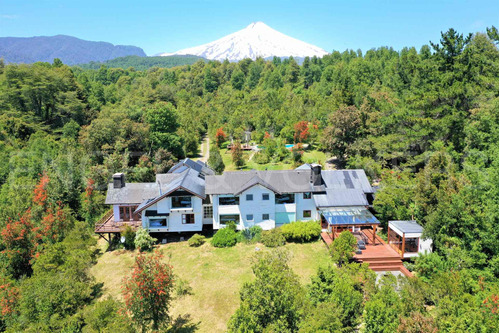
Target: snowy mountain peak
[256,40]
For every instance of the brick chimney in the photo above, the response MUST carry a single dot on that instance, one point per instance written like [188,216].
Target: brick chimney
[119,180]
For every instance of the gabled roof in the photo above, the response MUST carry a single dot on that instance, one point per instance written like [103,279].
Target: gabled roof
[283,181]
[131,193]
[199,166]
[188,181]
[340,198]
[256,180]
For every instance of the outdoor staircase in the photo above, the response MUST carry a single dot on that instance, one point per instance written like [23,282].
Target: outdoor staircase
[379,256]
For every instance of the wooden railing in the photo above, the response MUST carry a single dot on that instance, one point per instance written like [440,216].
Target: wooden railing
[106,217]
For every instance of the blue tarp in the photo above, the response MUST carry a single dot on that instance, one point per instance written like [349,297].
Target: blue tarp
[349,216]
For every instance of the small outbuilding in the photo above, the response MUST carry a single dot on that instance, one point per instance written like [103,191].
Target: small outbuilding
[406,238]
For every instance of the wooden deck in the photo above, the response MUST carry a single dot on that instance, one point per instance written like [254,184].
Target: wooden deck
[379,256]
[107,224]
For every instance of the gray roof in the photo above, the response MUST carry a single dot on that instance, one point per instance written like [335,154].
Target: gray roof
[198,166]
[255,180]
[346,179]
[189,181]
[131,193]
[341,197]
[283,181]
[407,227]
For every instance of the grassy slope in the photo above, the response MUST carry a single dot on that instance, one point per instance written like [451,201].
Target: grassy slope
[216,276]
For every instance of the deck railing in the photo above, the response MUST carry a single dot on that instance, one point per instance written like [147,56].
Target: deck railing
[104,219]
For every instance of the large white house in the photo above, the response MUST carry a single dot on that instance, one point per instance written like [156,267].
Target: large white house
[190,196]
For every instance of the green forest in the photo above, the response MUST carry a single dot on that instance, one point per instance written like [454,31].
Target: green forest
[422,122]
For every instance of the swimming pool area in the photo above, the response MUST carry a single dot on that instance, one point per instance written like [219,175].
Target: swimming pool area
[289,145]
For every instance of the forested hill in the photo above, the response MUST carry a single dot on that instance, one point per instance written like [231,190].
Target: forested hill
[68,49]
[144,63]
[423,122]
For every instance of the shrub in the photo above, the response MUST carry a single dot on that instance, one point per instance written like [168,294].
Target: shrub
[250,235]
[343,247]
[143,241]
[225,237]
[273,238]
[231,225]
[182,288]
[261,158]
[301,231]
[129,234]
[196,240]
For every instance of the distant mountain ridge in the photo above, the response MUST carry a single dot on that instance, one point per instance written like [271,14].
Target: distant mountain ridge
[256,40]
[70,50]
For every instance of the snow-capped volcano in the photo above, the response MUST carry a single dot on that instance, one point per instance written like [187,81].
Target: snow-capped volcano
[256,40]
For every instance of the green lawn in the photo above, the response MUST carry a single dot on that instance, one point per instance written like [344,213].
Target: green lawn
[215,275]
[310,156]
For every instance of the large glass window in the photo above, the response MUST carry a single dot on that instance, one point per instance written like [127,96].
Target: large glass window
[181,202]
[249,197]
[127,213]
[224,219]
[265,196]
[306,213]
[411,245]
[265,217]
[307,195]
[285,198]
[157,222]
[223,201]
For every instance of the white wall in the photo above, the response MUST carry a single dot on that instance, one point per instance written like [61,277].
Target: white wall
[174,220]
[257,207]
[305,204]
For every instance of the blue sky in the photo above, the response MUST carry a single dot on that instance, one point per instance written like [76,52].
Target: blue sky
[166,26]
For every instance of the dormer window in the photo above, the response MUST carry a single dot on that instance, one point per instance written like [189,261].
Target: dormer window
[181,202]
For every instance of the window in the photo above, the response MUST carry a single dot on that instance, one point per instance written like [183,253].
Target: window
[285,198]
[249,197]
[208,212]
[265,196]
[187,218]
[181,202]
[306,213]
[411,245]
[265,217]
[127,213]
[157,222]
[229,201]
[224,219]
[307,195]
[249,217]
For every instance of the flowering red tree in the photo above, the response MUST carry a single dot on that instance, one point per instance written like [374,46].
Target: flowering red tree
[301,131]
[267,135]
[54,224]
[147,292]
[23,239]
[9,295]
[40,192]
[220,137]
[20,240]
